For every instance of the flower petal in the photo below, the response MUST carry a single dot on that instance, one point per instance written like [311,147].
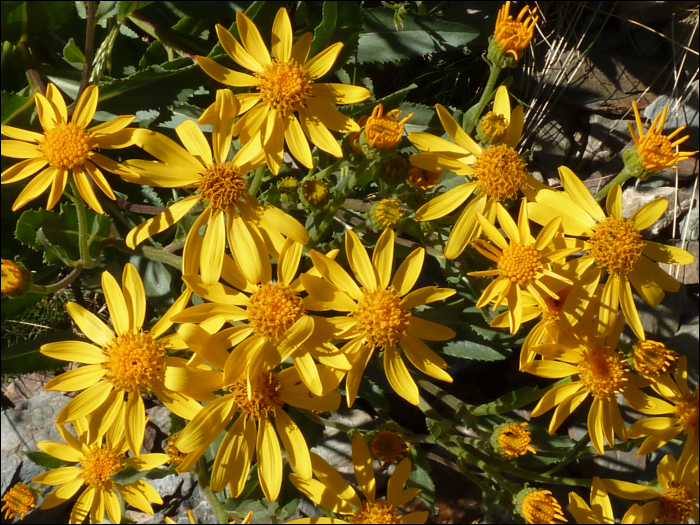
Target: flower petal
[466,228]
[397,481]
[323,62]
[84,110]
[58,476]
[325,295]
[446,203]
[331,117]
[333,272]
[629,309]
[116,304]
[251,40]
[296,140]
[236,51]
[294,444]
[206,425]
[23,134]
[74,351]
[135,423]
[551,369]
[666,254]
[398,376]
[318,133]
[85,402]
[455,131]
[424,329]
[409,271]
[580,194]
[16,149]
[359,261]
[334,481]
[194,141]
[282,36]
[269,459]
[78,379]
[61,451]
[613,203]
[225,75]
[424,359]
[22,170]
[649,213]
[245,249]
[364,470]
[515,128]
[35,187]
[339,93]
[62,494]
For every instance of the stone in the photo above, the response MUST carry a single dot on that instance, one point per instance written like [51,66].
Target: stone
[606,139]
[636,196]
[689,229]
[687,273]
[662,321]
[686,342]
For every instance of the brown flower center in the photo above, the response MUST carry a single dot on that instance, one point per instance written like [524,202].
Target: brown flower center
[514,440]
[677,504]
[687,413]
[541,507]
[134,361]
[265,396]
[651,358]
[387,445]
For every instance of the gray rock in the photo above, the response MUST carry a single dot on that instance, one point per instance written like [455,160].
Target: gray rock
[689,227]
[686,342]
[687,273]
[606,138]
[662,321]
[634,197]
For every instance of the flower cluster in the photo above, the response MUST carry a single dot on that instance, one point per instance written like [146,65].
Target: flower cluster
[274,327]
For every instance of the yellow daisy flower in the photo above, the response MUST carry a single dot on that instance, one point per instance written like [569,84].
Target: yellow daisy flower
[522,263]
[538,506]
[675,502]
[380,312]
[332,492]
[600,510]
[384,131]
[19,499]
[121,364]
[652,359]
[513,36]
[12,276]
[275,326]
[613,247]
[654,150]
[260,401]
[680,410]
[602,374]
[97,462]
[498,172]
[388,444]
[512,440]
[67,147]
[230,212]
[288,105]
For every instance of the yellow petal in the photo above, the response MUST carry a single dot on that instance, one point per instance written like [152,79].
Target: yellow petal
[508,225]
[362,463]
[580,194]
[629,309]
[409,271]
[424,329]
[74,351]
[61,451]
[443,148]
[666,254]
[613,203]
[245,249]
[282,36]
[575,219]
[296,140]
[649,273]
[22,170]
[213,248]
[85,108]
[236,51]
[233,445]
[318,133]
[397,481]
[439,161]
[446,203]
[225,75]
[135,426]
[629,491]
[288,263]
[111,503]
[565,409]
[609,304]
[112,126]
[649,213]
[363,352]
[192,380]
[35,187]
[398,376]
[334,481]
[276,219]
[466,228]
[251,39]
[116,304]
[322,495]
[359,261]
[26,135]
[331,117]
[424,359]
[294,444]
[148,461]
[515,128]
[326,294]
[78,379]
[339,93]
[425,295]
[501,103]
[456,132]
[206,425]
[551,369]
[16,149]
[292,339]
[333,272]
[323,62]
[308,372]
[300,49]
[226,107]
[194,141]
[99,179]
[63,493]
[134,295]
[135,497]
[58,476]
[269,459]
[493,234]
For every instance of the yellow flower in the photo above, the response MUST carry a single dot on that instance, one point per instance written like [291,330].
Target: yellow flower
[18,500]
[522,263]
[600,510]
[655,151]
[423,179]
[332,492]
[652,359]
[675,502]
[511,439]
[387,213]
[231,213]
[680,410]
[384,131]
[538,506]
[498,171]
[98,461]
[602,374]
[513,36]
[288,105]
[132,361]
[12,276]
[259,400]
[380,312]
[613,247]
[389,445]
[67,147]
[278,326]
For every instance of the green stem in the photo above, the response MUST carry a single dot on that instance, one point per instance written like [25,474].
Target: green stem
[89,50]
[151,253]
[219,511]
[471,456]
[60,285]
[85,257]
[570,456]
[325,422]
[257,181]
[485,97]
[544,478]
[620,179]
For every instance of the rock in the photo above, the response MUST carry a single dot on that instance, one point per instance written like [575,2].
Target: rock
[634,197]
[606,138]
[662,321]
[687,273]
[683,112]
[686,342]
[689,228]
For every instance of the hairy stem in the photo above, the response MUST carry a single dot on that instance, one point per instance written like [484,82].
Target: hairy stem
[216,506]
[89,49]
[60,285]
[620,179]
[257,181]
[485,97]
[85,257]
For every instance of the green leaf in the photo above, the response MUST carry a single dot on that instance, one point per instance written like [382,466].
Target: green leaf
[12,308]
[261,511]
[425,118]
[381,42]
[437,428]
[72,53]
[516,399]
[371,392]
[158,473]
[324,30]
[420,477]
[22,21]
[389,102]
[24,357]
[128,475]
[287,511]
[45,460]
[13,104]
[251,491]
[476,351]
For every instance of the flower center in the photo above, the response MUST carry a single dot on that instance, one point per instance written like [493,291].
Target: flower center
[555,306]
[18,500]
[284,85]
[265,398]
[514,440]
[380,317]
[616,245]
[222,185]
[520,263]
[656,152]
[603,372]
[423,179]
[384,131]
[272,310]
[387,445]
[677,504]
[315,191]
[512,35]
[134,361]
[500,172]
[377,511]
[12,277]
[651,358]
[288,185]
[388,213]
[176,456]
[66,146]
[99,464]
[539,506]
[494,126]
[395,168]
[687,413]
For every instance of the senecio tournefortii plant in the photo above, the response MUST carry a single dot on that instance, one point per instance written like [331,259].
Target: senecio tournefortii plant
[252,243]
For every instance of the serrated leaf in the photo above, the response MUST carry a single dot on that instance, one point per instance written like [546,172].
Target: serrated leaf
[261,512]
[324,30]
[420,477]
[31,20]
[288,510]
[516,399]
[381,42]
[476,351]
[45,460]
[24,357]
[437,428]
[158,473]
[72,53]
[128,475]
